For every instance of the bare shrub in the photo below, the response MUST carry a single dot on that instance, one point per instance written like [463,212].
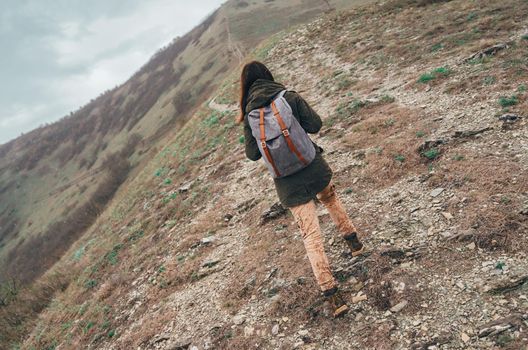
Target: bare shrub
[497,230]
[182,101]
[21,305]
[495,219]
[380,291]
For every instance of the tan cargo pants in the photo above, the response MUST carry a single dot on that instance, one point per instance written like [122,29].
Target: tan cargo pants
[306,217]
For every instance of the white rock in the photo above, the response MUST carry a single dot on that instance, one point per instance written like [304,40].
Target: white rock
[359,298]
[446,234]
[400,287]
[431,231]
[437,191]
[465,338]
[209,239]
[248,331]
[303,332]
[447,215]
[399,307]
[239,319]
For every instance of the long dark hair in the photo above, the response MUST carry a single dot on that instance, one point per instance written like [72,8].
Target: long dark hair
[250,73]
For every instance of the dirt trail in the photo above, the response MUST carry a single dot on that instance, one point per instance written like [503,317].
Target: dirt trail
[222,108]
[232,46]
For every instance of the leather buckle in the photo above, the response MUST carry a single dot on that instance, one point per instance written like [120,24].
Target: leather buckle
[285,132]
[263,144]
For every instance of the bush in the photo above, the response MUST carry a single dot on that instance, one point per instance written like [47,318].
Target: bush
[442,71]
[211,121]
[508,101]
[438,72]
[112,255]
[489,80]
[471,16]
[431,154]
[343,82]
[385,99]
[424,78]
[437,47]
[8,291]
[399,158]
[182,102]
[89,284]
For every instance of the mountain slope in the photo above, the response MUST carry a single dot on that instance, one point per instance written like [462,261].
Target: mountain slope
[55,180]
[427,163]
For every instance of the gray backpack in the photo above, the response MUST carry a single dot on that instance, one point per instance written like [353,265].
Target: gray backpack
[283,143]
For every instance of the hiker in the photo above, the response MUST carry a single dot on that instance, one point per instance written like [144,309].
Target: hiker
[276,123]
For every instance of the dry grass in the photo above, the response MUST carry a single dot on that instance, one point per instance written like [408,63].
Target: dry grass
[493,202]
[143,334]
[19,314]
[255,260]
[378,336]
[113,287]
[226,338]
[380,290]
[389,132]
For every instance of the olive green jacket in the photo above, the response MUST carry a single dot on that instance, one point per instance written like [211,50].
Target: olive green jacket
[301,187]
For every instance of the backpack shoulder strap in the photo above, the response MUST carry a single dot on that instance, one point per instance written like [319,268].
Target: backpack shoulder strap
[263,143]
[286,133]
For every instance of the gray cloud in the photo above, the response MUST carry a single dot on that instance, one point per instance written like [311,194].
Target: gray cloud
[57,55]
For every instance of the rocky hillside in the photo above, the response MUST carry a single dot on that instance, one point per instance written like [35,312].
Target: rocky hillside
[55,180]
[425,108]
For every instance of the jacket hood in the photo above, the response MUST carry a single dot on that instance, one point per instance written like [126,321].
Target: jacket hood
[261,93]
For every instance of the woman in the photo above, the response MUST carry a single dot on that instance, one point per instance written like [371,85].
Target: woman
[298,191]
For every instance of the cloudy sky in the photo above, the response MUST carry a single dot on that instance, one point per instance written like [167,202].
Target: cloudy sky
[58,54]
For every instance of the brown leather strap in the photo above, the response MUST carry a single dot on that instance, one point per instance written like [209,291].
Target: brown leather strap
[263,143]
[286,134]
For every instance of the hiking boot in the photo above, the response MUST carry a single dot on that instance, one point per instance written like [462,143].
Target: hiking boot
[337,302]
[356,247]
